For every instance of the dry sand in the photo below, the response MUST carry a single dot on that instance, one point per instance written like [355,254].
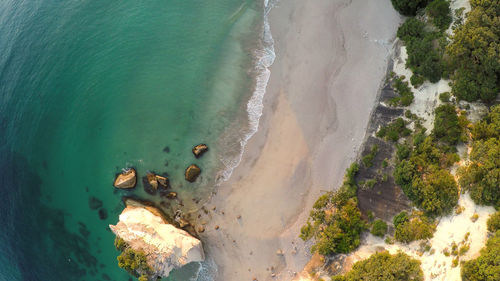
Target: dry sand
[331,57]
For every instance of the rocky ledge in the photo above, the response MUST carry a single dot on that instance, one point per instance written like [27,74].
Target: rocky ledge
[144,229]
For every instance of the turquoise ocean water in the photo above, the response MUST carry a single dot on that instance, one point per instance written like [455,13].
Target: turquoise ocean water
[90,87]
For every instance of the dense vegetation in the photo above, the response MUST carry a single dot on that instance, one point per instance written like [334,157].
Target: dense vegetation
[413,227]
[379,228]
[134,262]
[424,177]
[494,222]
[440,12]
[482,176]
[474,53]
[408,7]
[394,130]
[384,267]
[335,221]
[425,50]
[446,125]
[487,266]
[401,87]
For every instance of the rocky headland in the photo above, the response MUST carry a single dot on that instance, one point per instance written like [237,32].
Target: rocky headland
[145,230]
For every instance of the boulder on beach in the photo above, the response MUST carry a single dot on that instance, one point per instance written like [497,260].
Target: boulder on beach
[192,172]
[126,179]
[165,246]
[199,150]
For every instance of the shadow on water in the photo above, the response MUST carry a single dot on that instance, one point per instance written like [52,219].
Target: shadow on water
[35,235]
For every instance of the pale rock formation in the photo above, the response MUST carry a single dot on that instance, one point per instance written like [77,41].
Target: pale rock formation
[166,247]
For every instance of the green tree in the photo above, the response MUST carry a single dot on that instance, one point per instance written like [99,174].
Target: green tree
[385,267]
[487,266]
[440,12]
[494,222]
[408,7]
[474,53]
[416,227]
[379,228]
[446,125]
[482,176]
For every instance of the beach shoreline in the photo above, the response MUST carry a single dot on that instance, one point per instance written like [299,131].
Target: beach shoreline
[324,82]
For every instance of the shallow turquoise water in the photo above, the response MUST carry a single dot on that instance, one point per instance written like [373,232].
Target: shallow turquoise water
[90,87]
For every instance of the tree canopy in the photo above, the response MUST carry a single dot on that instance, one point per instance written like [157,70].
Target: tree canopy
[335,221]
[487,266]
[482,176]
[384,267]
[408,7]
[474,53]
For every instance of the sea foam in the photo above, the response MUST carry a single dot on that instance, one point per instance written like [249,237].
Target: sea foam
[265,56]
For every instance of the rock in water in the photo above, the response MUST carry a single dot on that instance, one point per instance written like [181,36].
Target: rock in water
[163,181]
[165,246]
[199,150]
[152,180]
[127,179]
[192,172]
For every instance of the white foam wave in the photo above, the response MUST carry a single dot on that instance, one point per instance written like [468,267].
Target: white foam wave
[265,58]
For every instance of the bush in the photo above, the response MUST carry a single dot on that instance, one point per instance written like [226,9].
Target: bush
[487,265]
[480,177]
[368,158]
[494,222]
[134,262]
[383,267]
[446,125]
[440,12]
[415,227]
[335,220]
[408,7]
[444,97]
[410,29]
[417,80]
[379,228]
[394,130]
[474,53]
[405,94]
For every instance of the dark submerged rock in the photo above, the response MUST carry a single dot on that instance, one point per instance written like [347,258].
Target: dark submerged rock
[192,173]
[94,203]
[103,214]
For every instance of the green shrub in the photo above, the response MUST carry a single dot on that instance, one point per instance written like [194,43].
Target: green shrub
[487,265]
[417,80]
[440,12]
[383,267]
[133,262]
[446,125]
[416,227]
[335,221]
[474,54]
[480,177]
[379,228]
[120,244]
[494,222]
[410,29]
[444,97]
[394,130]
[405,94]
[368,158]
[408,7]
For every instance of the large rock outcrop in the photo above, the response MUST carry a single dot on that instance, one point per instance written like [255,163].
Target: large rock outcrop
[166,247]
[127,179]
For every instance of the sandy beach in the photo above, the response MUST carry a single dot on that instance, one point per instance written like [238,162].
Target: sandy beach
[331,58]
